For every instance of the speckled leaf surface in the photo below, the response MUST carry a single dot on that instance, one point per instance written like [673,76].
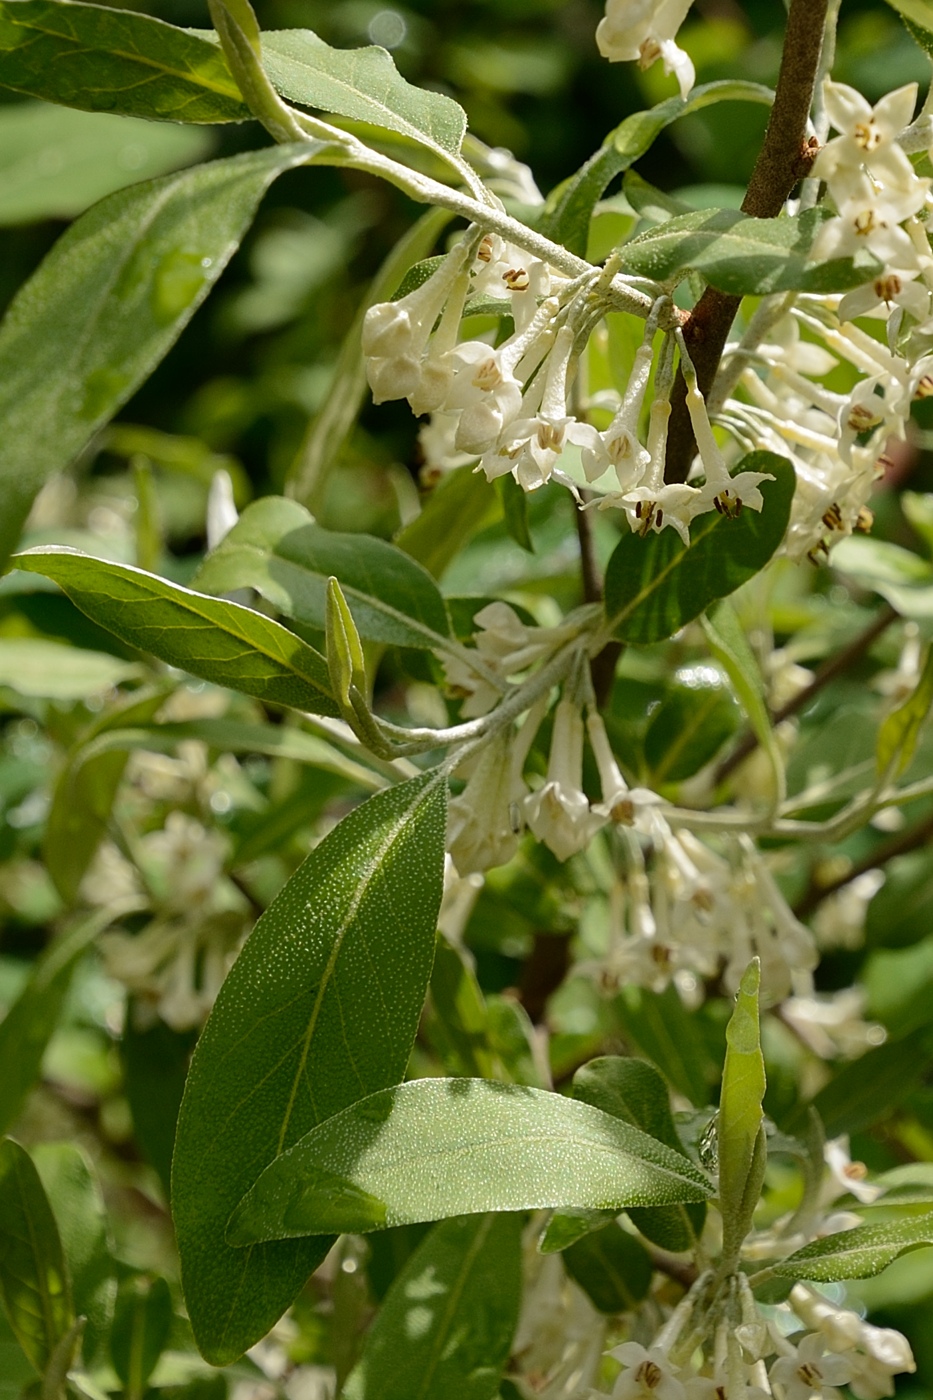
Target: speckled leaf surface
[440,1147]
[319,1010]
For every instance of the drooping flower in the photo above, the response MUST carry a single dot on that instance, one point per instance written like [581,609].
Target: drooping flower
[645,30]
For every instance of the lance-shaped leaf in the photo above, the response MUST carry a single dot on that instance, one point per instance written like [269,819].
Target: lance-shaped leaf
[859,1253]
[56,163]
[111,60]
[446,1325]
[320,1008]
[742,1150]
[363,84]
[900,730]
[635,1091]
[612,1267]
[76,1199]
[276,548]
[33,1280]
[729,644]
[84,794]
[655,585]
[745,256]
[440,1147]
[210,637]
[27,1028]
[566,215]
[106,305]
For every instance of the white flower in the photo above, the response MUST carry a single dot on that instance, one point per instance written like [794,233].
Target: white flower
[645,30]
[559,812]
[875,1354]
[810,1371]
[832,1023]
[848,1175]
[485,822]
[868,134]
[647,1373]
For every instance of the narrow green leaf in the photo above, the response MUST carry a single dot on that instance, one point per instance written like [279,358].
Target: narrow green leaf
[461,1024]
[55,671]
[33,1281]
[657,584]
[434,1148]
[209,637]
[612,1267]
[459,506]
[446,1325]
[84,794]
[663,1029]
[276,548]
[918,20]
[566,216]
[345,661]
[899,733]
[108,60]
[320,1008]
[363,84]
[141,1326]
[741,1121]
[859,1253]
[55,163]
[745,256]
[28,1025]
[515,510]
[15,1370]
[867,1089]
[155,1064]
[635,1091]
[565,1227]
[729,645]
[690,726]
[78,1204]
[107,303]
[900,576]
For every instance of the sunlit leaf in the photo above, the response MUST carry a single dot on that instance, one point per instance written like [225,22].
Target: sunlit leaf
[34,1286]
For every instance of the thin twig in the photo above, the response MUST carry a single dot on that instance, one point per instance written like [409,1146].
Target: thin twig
[831,668]
[785,157]
[899,845]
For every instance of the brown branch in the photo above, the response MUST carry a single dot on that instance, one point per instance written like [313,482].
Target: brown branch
[589,565]
[831,668]
[785,157]
[899,845]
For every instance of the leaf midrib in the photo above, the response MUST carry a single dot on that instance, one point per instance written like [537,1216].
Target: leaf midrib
[142,59]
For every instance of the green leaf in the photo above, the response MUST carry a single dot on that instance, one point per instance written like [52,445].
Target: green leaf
[663,1029]
[276,548]
[565,1227]
[446,1325]
[28,1025]
[155,1063]
[75,1196]
[515,510]
[566,216]
[867,1089]
[655,585]
[37,666]
[612,1267]
[107,60]
[363,84]
[141,1326]
[918,20]
[729,645]
[459,506]
[859,1253]
[742,1151]
[83,797]
[745,256]
[320,1008]
[461,1023]
[901,577]
[690,726]
[209,637]
[434,1148]
[55,163]
[899,732]
[106,305]
[635,1091]
[33,1282]
[15,1370]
